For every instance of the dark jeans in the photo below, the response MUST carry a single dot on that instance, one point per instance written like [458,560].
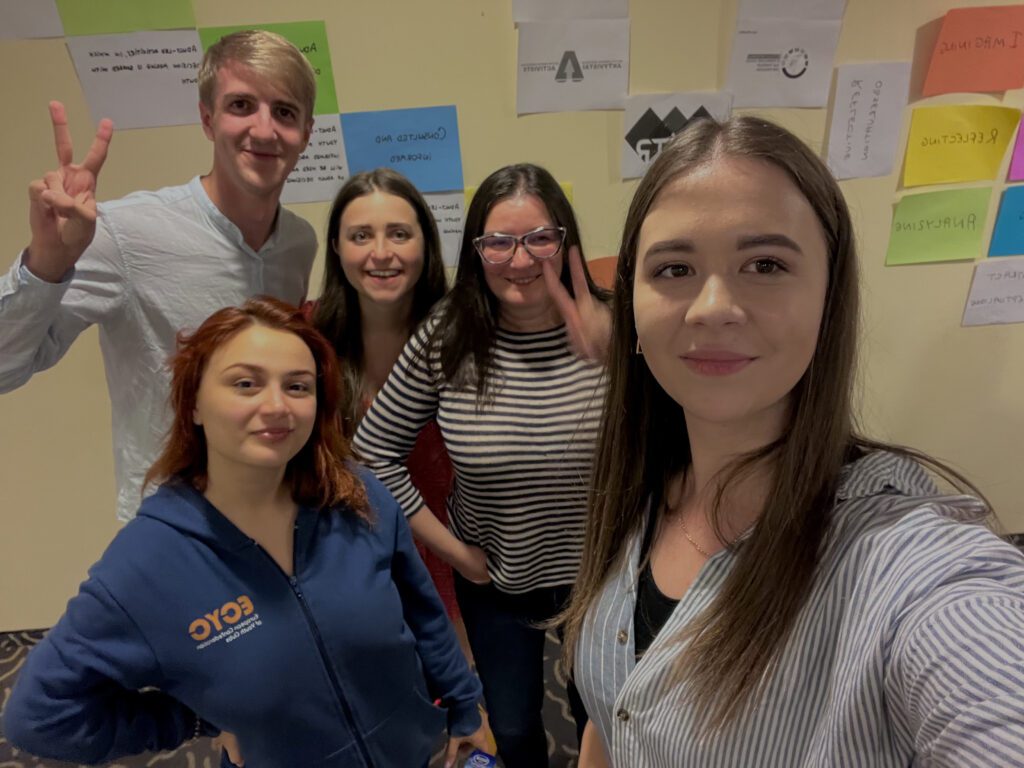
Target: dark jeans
[508,649]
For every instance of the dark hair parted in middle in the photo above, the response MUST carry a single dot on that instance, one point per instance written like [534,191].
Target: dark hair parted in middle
[337,314]
[468,316]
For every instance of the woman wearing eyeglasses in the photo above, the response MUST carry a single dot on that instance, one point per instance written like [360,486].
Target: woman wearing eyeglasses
[518,397]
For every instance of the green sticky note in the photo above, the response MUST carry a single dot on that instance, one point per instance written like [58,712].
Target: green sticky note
[310,37]
[110,17]
[938,226]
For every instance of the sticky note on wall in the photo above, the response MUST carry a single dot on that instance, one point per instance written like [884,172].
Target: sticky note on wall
[1008,235]
[958,143]
[979,49]
[938,226]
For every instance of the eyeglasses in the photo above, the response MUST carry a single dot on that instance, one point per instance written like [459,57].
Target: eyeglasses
[540,243]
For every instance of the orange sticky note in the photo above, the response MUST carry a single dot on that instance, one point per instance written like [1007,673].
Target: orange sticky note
[978,50]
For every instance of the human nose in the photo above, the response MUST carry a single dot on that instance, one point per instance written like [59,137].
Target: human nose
[274,401]
[520,256]
[715,304]
[262,127]
[381,251]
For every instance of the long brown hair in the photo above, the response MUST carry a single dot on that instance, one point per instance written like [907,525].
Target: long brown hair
[318,473]
[643,445]
[337,314]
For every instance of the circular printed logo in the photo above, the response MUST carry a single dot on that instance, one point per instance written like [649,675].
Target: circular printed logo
[794,62]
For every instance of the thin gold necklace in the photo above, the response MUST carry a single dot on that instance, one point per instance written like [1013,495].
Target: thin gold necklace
[701,549]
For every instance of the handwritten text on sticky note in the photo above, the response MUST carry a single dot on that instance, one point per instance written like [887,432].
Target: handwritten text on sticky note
[957,143]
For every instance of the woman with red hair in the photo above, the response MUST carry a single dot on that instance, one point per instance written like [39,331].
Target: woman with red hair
[269,587]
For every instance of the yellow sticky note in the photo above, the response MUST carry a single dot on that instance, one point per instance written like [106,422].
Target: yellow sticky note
[957,143]
[565,185]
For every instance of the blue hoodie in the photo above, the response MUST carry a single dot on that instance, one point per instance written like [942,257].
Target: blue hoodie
[335,666]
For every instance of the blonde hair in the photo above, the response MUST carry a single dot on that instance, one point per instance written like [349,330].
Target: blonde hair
[267,54]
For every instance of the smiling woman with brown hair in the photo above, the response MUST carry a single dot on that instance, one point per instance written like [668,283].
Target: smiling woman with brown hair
[760,584]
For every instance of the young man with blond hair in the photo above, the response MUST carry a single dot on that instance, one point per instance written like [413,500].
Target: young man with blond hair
[153,263]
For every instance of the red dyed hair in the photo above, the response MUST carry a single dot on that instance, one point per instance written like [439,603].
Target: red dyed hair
[319,474]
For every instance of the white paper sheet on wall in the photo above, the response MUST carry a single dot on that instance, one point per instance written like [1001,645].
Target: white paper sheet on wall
[29,18]
[549,10]
[866,114]
[142,79]
[321,169]
[573,65]
[997,293]
[792,9]
[782,62]
[652,119]
[448,209]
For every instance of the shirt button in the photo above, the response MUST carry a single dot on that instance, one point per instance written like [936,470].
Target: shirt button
[622,636]
[623,715]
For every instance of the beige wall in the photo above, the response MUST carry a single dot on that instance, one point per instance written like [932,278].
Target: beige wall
[926,382]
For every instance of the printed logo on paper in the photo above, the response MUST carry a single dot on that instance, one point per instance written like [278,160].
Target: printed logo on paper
[651,133]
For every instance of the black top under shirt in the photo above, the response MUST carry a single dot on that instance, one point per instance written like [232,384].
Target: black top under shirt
[653,607]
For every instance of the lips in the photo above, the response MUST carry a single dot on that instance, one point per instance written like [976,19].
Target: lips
[272,435]
[522,280]
[383,273]
[717,362]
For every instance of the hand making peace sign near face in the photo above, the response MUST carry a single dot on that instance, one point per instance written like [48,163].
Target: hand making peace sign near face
[588,320]
[62,204]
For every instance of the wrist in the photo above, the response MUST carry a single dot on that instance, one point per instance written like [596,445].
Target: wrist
[44,264]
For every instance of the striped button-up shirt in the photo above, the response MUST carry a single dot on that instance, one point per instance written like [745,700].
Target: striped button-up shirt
[908,651]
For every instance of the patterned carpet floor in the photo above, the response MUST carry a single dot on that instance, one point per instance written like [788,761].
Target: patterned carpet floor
[14,647]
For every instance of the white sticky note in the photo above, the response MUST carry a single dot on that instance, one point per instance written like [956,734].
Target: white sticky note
[792,9]
[549,10]
[782,62]
[142,79]
[449,212]
[997,293]
[866,116]
[321,169]
[652,119]
[574,65]
[29,18]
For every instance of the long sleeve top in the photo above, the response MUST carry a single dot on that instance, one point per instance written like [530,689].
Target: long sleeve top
[909,650]
[522,458]
[337,664]
[160,262]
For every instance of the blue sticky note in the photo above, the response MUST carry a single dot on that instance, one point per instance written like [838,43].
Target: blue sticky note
[1008,236]
[422,144]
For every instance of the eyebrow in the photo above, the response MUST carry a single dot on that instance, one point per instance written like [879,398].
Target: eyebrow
[756,241]
[259,369]
[675,245]
[228,97]
[683,245]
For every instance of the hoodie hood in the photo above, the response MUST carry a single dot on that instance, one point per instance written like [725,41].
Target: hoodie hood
[182,507]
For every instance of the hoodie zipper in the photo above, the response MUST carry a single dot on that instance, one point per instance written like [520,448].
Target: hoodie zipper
[346,708]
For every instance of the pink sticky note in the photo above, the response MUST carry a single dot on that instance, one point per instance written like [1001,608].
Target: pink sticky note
[1017,161]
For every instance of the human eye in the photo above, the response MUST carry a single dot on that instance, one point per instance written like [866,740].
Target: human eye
[401,234]
[300,387]
[672,270]
[239,105]
[360,236]
[286,113]
[765,265]
[498,243]
[244,385]
[542,238]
